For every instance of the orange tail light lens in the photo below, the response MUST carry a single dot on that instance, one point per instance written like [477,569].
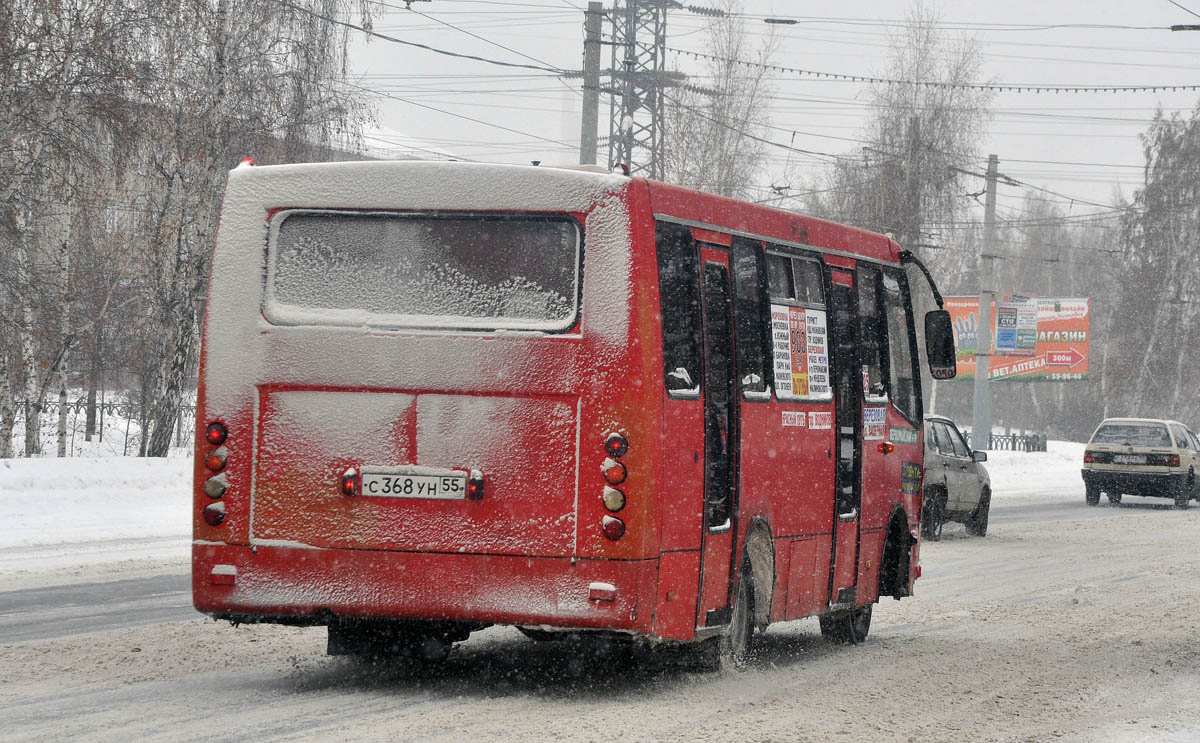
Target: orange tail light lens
[215,461]
[614,472]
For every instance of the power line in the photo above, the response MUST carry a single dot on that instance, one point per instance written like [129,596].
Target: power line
[496,44]
[1006,88]
[1189,10]
[461,116]
[426,47]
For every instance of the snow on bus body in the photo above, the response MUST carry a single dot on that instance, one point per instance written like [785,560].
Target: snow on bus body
[306,396]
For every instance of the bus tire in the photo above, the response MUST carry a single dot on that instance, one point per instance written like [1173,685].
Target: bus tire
[846,627]
[738,639]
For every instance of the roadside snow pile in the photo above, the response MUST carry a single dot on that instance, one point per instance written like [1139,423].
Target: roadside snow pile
[118,514]
[1049,475]
[56,501]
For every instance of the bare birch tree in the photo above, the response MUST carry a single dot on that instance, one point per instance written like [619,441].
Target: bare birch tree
[923,128]
[714,129]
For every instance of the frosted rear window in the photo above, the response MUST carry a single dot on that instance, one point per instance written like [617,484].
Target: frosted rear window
[393,270]
[1132,434]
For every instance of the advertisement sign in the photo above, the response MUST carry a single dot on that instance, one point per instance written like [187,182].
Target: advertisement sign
[1016,325]
[1060,337]
[800,350]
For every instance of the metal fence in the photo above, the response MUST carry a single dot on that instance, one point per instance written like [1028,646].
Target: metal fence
[1011,442]
[119,421]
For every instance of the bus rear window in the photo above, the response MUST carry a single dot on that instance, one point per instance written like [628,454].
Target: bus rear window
[398,270]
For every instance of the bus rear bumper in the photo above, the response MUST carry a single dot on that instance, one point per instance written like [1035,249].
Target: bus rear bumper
[303,585]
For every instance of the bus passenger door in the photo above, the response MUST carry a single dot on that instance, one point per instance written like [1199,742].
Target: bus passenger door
[847,379]
[720,442]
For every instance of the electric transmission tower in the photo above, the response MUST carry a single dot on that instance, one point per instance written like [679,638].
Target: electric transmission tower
[639,44]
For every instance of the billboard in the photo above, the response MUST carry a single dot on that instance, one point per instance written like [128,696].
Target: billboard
[1046,344]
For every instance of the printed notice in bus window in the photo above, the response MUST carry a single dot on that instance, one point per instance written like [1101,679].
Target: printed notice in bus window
[800,350]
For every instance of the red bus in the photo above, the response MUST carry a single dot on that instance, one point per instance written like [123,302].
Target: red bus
[435,397]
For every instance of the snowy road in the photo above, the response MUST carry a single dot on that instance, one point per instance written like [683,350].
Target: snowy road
[1064,623]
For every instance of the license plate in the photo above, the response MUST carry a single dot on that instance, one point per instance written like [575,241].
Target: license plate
[1129,459]
[414,482]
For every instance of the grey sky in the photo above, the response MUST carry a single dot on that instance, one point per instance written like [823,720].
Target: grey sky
[1081,144]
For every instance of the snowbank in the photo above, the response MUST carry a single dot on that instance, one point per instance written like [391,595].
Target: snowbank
[1049,475]
[73,519]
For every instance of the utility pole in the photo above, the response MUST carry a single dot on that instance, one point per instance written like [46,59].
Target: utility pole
[981,421]
[593,17]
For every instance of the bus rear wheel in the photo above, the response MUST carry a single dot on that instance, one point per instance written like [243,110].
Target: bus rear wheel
[732,649]
[847,627]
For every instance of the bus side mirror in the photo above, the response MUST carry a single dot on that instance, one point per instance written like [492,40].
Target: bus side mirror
[939,344]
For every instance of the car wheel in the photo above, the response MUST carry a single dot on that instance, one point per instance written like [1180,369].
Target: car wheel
[933,515]
[1114,498]
[1092,495]
[1183,492]
[846,627]
[978,523]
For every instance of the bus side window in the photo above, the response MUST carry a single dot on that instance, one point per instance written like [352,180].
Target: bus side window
[810,282]
[780,282]
[902,346]
[679,301]
[870,331]
[751,318]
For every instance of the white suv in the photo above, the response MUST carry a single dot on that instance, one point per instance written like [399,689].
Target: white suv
[1141,456]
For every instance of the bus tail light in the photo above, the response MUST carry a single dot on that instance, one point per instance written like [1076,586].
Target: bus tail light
[215,487]
[614,528]
[614,472]
[216,433]
[475,485]
[616,445]
[614,500]
[215,461]
[349,482]
[214,514]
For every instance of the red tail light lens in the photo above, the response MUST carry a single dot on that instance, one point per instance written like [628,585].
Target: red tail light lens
[614,472]
[614,528]
[214,514]
[1097,457]
[350,482]
[216,433]
[1163,460]
[475,486]
[616,445]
